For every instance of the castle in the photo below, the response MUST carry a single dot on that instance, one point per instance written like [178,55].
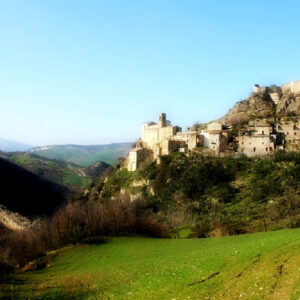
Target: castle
[260,136]
[162,138]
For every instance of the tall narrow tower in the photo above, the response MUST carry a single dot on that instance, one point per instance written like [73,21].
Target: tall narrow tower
[162,120]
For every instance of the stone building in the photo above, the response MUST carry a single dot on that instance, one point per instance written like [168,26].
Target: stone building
[293,87]
[162,138]
[154,136]
[138,158]
[257,139]
[216,137]
[191,139]
[289,133]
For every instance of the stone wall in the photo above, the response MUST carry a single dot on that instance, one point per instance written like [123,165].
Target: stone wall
[293,87]
[152,135]
[214,126]
[138,158]
[255,145]
[191,138]
[259,89]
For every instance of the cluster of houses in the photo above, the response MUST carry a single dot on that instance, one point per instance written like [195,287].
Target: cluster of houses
[258,138]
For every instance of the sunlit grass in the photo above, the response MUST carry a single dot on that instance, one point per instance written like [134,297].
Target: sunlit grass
[257,266]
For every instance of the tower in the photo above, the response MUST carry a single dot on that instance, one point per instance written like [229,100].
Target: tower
[162,120]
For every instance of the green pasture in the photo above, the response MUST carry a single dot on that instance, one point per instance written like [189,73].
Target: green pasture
[254,266]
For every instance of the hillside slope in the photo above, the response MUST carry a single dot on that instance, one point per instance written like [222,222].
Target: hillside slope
[64,173]
[27,193]
[256,266]
[85,155]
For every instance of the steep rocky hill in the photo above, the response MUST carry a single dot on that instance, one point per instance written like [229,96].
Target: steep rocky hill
[272,101]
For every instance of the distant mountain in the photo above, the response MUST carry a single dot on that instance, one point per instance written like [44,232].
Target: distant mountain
[26,193]
[64,173]
[11,146]
[83,155]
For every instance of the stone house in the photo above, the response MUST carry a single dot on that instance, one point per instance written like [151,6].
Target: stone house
[216,137]
[258,139]
[159,139]
[289,133]
[192,139]
[138,158]
[154,136]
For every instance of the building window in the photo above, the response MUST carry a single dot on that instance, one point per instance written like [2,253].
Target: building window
[295,133]
[254,149]
[266,149]
[262,132]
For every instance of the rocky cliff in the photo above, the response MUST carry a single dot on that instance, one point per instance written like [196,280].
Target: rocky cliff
[265,102]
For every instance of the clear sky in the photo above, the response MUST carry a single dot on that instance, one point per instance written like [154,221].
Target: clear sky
[90,72]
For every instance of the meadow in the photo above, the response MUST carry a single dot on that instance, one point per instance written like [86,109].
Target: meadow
[252,266]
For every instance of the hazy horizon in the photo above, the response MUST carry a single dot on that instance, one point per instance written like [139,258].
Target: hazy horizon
[90,72]
[2,140]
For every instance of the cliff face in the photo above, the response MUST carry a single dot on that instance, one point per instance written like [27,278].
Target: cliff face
[265,102]
[256,106]
[289,104]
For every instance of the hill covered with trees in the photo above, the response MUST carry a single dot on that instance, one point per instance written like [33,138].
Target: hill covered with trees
[215,196]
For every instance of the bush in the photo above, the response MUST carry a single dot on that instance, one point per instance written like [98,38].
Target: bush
[78,222]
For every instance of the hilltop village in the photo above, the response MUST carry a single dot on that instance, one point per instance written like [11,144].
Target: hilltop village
[272,126]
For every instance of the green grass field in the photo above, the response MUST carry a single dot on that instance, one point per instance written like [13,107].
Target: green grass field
[257,266]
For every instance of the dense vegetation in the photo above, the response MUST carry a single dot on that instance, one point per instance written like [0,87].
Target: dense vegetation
[219,196]
[74,223]
[256,266]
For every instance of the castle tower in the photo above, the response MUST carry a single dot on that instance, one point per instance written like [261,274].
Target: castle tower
[162,120]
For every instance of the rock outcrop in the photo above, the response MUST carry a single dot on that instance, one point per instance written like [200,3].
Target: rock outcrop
[266,102]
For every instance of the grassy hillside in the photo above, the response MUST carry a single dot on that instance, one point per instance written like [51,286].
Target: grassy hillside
[257,266]
[64,173]
[85,155]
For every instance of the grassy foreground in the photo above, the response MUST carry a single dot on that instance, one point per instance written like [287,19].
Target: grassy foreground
[256,266]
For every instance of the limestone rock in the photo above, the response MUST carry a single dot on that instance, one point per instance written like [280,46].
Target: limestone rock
[272,101]
[258,105]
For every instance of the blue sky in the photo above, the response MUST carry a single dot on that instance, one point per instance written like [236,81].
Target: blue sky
[90,72]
